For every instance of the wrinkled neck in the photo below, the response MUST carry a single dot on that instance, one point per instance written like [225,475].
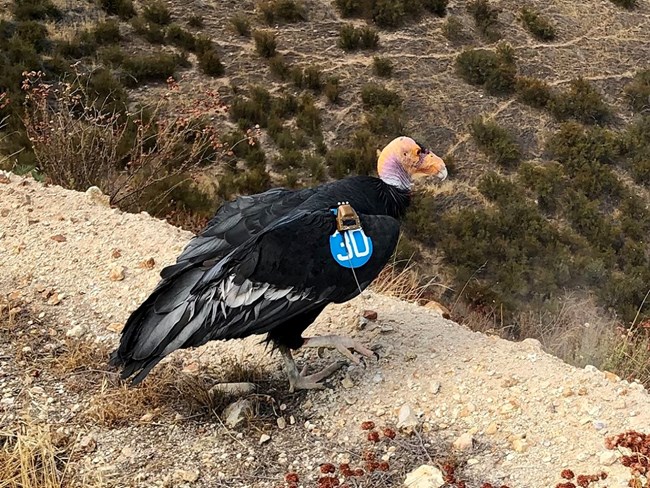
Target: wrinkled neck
[393,173]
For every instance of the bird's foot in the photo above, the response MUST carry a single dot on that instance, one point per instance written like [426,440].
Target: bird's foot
[303,381]
[344,345]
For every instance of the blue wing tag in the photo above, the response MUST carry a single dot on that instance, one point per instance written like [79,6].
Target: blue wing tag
[350,248]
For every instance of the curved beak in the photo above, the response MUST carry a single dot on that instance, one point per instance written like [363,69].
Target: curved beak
[432,165]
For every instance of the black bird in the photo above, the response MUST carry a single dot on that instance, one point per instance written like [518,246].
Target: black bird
[270,263]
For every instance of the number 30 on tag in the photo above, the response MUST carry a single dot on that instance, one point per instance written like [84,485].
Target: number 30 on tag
[351,249]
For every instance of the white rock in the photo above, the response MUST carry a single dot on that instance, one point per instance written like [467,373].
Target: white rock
[237,412]
[95,195]
[236,389]
[426,476]
[434,387]
[406,417]
[281,422]
[464,443]
[264,438]
[76,331]
[607,458]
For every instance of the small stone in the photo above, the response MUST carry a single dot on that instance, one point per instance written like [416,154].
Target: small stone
[599,424]
[406,417]
[237,412]
[26,349]
[370,315]
[520,445]
[116,274]
[147,263]
[95,195]
[607,458]
[115,327]
[54,299]
[464,443]
[127,452]
[88,443]
[58,238]
[582,391]
[378,378]
[264,438]
[147,417]
[426,476]
[567,392]
[4,178]
[236,389]
[614,378]
[188,476]
[591,368]
[509,382]
[492,429]
[116,253]
[281,423]
[347,382]
[76,331]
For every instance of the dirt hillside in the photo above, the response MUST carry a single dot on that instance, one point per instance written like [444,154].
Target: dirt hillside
[62,256]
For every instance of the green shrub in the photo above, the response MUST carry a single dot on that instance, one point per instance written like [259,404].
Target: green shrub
[436,7]
[368,38]
[83,44]
[486,18]
[107,32]
[638,91]
[34,33]
[210,63]
[315,168]
[582,102]
[241,24]
[265,43]
[628,4]
[634,217]
[332,89]
[546,181]
[382,67]
[308,77]
[373,95]
[500,190]
[278,11]
[122,8]
[105,92]
[537,24]
[289,158]
[308,118]
[636,143]
[585,215]
[385,13]
[353,8]
[497,72]
[453,29]
[112,55]
[195,21]
[157,12]
[389,13]
[279,67]
[496,142]
[348,37]
[341,161]
[153,33]
[533,92]
[180,37]
[386,121]
[285,106]
[141,68]
[35,10]
[251,111]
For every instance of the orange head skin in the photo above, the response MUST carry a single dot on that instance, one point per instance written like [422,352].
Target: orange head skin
[404,159]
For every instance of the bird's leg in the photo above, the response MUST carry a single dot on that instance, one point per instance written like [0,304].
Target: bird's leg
[344,345]
[299,380]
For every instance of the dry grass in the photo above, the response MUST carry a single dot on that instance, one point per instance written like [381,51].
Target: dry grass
[403,280]
[31,459]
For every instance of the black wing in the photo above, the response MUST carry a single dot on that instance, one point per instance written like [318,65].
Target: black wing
[234,223]
[285,271]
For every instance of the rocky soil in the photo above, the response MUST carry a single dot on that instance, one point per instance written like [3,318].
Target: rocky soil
[504,413]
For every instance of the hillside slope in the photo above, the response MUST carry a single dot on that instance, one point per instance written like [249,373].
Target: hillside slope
[531,415]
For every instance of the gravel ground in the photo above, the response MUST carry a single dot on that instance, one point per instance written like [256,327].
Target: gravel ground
[84,266]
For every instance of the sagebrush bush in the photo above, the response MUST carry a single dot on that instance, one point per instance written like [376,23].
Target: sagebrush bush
[308,117]
[107,32]
[279,67]
[157,12]
[500,190]
[368,38]
[636,142]
[533,92]
[195,21]
[241,24]
[547,181]
[453,29]
[141,68]
[373,95]
[35,10]
[581,102]
[538,25]
[285,106]
[382,67]
[385,13]
[33,33]
[265,43]
[351,37]
[153,33]
[278,11]
[486,18]
[496,71]
[387,121]
[496,142]
[288,158]
[253,110]
[180,37]
[628,4]
[436,7]
[83,44]
[638,91]
[332,89]
[309,77]
[124,9]
[210,63]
